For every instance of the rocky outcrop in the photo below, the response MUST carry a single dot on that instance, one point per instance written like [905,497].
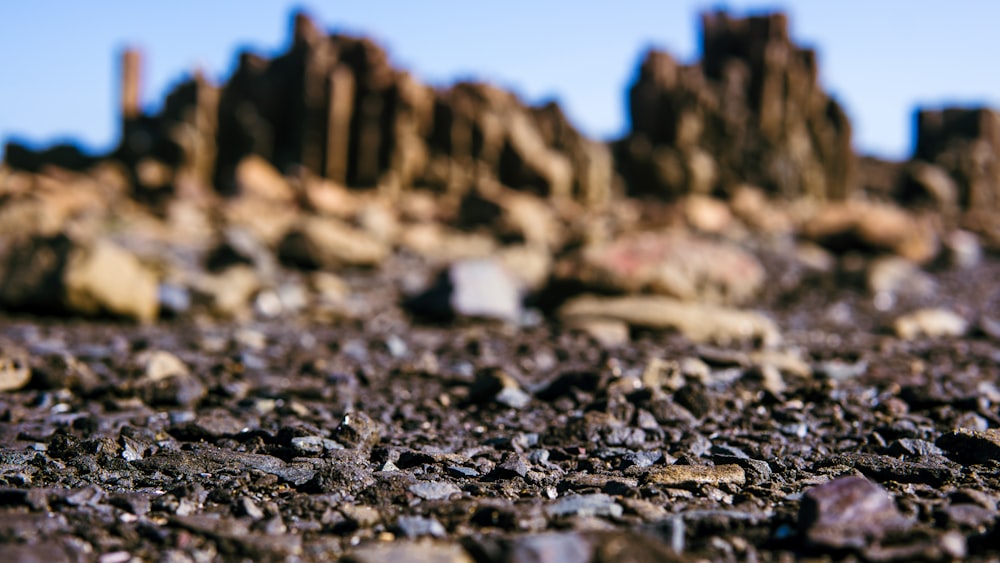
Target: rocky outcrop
[335,106]
[751,111]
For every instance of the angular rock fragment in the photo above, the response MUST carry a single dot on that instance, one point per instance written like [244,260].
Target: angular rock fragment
[884,468]
[848,512]
[163,379]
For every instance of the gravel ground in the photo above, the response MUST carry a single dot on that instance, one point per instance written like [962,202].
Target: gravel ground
[382,437]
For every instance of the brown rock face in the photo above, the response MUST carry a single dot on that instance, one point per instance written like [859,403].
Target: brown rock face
[752,111]
[334,105]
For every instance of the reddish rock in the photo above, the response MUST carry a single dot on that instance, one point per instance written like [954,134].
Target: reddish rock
[681,265]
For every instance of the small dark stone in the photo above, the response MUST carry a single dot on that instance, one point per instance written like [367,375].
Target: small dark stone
[512,465]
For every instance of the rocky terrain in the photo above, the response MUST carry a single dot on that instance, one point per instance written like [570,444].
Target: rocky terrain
[324,311]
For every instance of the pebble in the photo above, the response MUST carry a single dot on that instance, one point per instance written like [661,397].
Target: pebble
[891,277]
[166,380]
[964,249]
[314,445]
[358,430]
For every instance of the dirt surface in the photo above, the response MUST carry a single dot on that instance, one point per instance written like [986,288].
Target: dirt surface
[382,437]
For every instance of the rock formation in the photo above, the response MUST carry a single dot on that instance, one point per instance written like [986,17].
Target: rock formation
[751,111]
[334,106]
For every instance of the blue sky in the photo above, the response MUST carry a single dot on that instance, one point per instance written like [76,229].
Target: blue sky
[880,58]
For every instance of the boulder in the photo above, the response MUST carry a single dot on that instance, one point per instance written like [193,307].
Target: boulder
[60,275]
